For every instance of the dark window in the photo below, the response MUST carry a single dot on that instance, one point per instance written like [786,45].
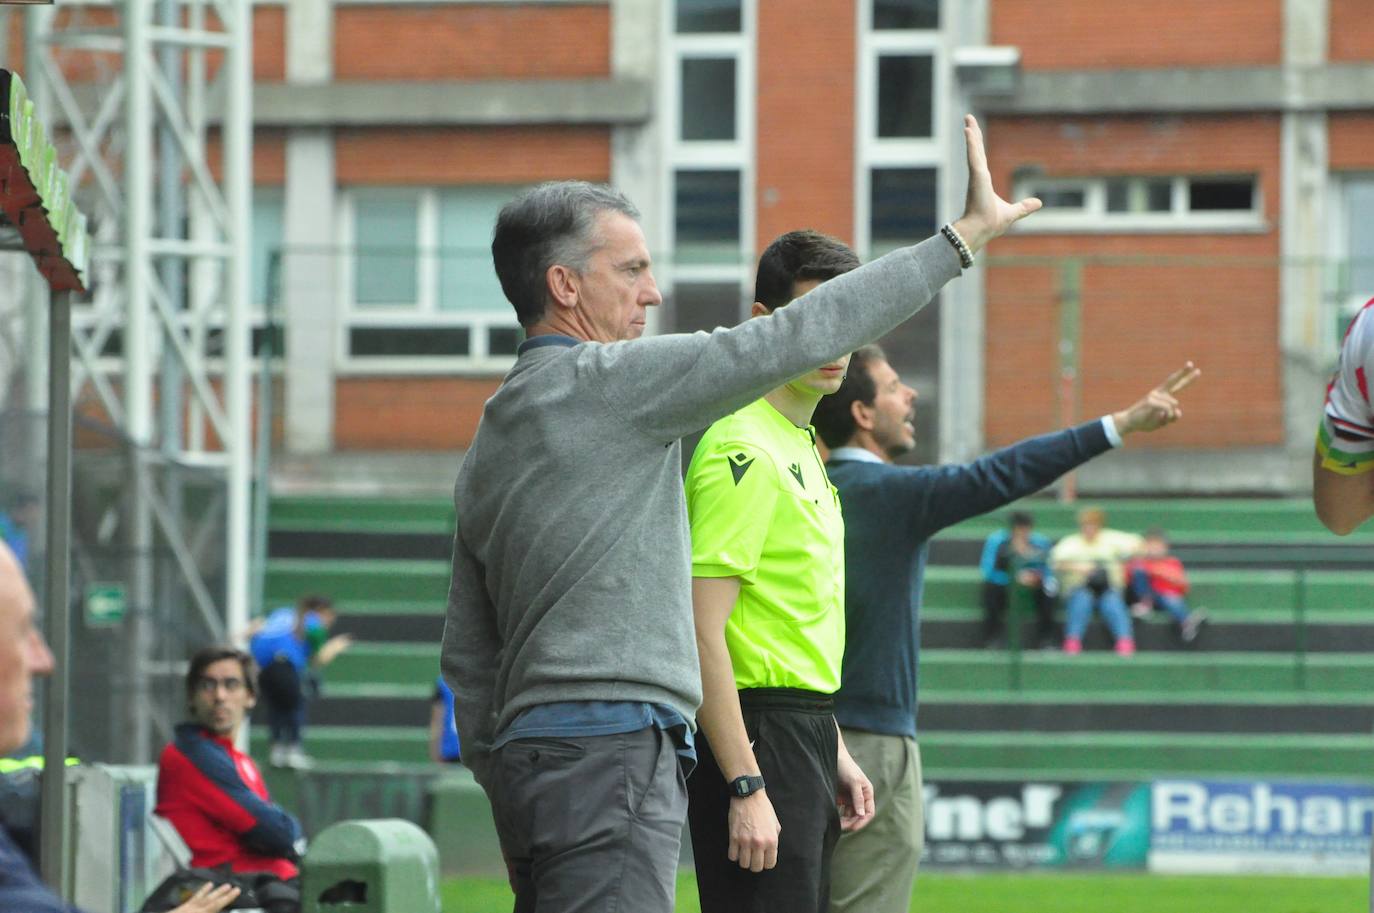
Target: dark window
[901,206]
[904,94]
[504,340]
[705,306]
[1118,195]
[1159,195]
[708,98]
[275,333]
[258,337]
[380,342]
[707,223]
[708,16]
[1214,194]
[1061,197]
[114,345]
[1139,195]
[906,14]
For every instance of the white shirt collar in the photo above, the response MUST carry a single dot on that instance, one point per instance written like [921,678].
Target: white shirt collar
[857,454]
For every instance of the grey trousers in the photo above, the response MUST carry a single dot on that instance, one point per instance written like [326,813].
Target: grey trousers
[874,870]
[591,824]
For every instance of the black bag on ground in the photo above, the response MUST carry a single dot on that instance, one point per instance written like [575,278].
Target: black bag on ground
[178,887]
[262,890]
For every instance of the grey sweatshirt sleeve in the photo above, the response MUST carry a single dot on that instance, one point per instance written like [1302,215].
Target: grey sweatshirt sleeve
[670,386]
[468,659]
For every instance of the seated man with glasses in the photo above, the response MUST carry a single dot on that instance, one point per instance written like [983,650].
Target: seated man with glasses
[212,793]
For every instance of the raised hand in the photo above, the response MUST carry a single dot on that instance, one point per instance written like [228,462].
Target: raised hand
[1160,406]
[986,215]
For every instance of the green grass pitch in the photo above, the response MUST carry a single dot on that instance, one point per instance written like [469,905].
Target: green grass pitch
[1046,893]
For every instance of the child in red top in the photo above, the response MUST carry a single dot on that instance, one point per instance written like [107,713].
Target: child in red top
[1159,582]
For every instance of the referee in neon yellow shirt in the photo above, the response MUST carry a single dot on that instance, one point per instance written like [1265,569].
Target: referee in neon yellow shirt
[774,784]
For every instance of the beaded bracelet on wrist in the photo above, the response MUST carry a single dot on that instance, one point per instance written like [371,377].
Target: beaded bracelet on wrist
[957,242]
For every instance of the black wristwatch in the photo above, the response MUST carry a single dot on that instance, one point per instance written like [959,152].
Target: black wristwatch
[741,787]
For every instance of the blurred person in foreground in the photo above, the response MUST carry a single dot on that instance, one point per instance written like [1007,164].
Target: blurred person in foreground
[774,784]
[1343,459]
[1091,564]
[1157,580]
[24,656]
[1017,553]
[890,513]
[214,794]
[290,645]
[569,642]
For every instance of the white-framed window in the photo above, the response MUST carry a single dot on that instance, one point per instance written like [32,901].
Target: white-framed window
[708,103]
[420,292]
[1351,241]
[269,215]
[1145,203]
[901,88]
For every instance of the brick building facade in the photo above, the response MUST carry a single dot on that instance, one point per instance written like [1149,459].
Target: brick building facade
[1203,165]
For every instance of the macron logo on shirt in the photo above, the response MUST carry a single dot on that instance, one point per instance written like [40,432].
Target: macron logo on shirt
[739,465]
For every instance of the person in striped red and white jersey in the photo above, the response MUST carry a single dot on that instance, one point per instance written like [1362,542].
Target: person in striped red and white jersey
[1343,461]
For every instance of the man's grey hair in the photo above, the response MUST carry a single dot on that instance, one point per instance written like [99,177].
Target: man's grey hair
[552,224]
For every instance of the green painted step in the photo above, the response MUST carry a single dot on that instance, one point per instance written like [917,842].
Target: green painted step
[979,670]
[1015,755]
[384,607]
[362,514]
[1277,591]
[354,744]
[349,580]
[972,612]
[1186,519]
[368,663]
[1317,700]
[416,665]
[419,692]
[953,755]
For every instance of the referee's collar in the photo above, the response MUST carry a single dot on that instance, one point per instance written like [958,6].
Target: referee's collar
[551,339]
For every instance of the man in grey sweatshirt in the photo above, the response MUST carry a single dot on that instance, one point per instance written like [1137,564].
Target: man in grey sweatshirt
[569,643]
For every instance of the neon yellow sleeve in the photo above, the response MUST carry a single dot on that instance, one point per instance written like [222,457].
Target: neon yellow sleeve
[731,493]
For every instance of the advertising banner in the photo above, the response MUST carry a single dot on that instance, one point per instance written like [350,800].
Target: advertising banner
[980,824]
[1227,827]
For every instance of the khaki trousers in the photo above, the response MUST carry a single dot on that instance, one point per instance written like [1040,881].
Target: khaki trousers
[874,870]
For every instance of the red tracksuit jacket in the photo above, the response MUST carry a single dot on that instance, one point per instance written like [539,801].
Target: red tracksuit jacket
[216,798]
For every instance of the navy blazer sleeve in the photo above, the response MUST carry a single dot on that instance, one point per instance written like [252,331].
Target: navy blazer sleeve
[941,496]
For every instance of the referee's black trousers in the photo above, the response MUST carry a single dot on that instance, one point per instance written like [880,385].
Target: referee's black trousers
[795,742]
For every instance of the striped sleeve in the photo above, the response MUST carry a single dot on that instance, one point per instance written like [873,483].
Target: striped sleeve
[1345,439]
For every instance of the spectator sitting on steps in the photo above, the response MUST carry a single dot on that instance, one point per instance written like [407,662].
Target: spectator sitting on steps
[1091,566]
[1017,553]
[1157,581]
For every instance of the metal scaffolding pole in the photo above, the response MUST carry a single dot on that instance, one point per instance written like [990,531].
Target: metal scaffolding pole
[141,140]
[56,597]
[138,366]
[238,181]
